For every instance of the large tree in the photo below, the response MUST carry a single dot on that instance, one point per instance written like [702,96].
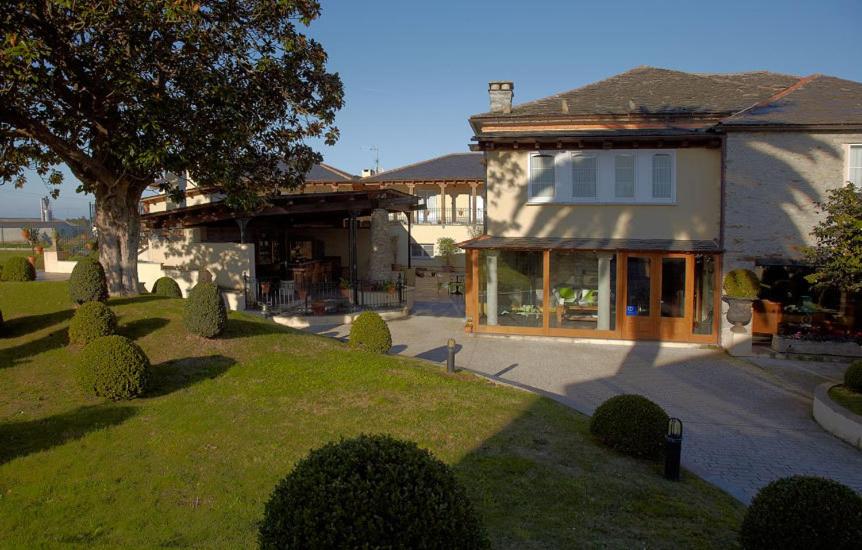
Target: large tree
[837,254]
[126,91]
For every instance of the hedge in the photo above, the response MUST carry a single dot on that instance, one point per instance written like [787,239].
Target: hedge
[19,269]
[369,332]
[113,367]
[165,286]
[205,313]
[631,424]
[853,376]
[91,320]
[87,282]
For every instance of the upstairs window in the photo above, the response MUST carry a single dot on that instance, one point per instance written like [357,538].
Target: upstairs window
[584,176]
[624,176]
[542,177]
[854,165]
[662,180]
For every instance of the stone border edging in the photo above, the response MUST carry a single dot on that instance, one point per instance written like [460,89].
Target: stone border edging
[306,321]
[834,418]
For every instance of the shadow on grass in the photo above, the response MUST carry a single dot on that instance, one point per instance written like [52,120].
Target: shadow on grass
[140,298]
[31,436]
[20,326]
[142,327]
[242,328]
[177,374]
[20,354]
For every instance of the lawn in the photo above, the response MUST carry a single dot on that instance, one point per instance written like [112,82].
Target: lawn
[6,254]
[193,463]
[847,398]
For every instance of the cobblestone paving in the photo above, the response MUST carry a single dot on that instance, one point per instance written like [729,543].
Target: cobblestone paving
[744,425]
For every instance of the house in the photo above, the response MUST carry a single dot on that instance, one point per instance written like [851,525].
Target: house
[614,209]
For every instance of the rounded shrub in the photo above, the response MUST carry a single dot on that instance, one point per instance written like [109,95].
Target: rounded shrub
[113,367]
[165,286]
[803,512]
[741,283]
[87,282]
[370,492]
[370,333]
[19,268]
[631,424]
[92,320]
[1,322]
[853,376]
[205,314]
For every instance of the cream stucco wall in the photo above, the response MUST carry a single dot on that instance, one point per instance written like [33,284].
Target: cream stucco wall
[695,215]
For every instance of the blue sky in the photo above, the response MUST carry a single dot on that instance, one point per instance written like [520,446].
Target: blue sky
[414,71]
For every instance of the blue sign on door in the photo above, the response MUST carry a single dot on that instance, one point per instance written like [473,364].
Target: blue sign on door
[631,311]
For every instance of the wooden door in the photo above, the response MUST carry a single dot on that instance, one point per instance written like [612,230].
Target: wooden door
[641,289]
[676,293]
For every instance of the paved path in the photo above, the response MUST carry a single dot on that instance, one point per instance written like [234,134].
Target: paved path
[745,425]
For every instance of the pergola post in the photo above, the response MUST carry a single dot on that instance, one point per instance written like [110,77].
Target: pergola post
[409,239]
[352,256]
[473,209]
[442,203]
[243,224]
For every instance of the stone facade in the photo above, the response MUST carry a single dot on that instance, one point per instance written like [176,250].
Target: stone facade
[773,181]
[380,258]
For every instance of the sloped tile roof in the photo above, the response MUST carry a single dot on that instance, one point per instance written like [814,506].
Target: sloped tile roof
[813,100]
[325,172]
[455,166]
[655,91]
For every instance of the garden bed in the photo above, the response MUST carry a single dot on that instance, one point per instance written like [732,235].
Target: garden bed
[788,344]
[834,408]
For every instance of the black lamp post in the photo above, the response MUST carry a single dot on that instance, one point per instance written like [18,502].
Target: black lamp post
[672,449]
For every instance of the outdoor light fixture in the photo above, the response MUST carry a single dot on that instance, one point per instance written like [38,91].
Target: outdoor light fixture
[450,360]
[673,449]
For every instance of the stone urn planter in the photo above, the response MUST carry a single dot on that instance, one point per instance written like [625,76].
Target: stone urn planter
[739,312]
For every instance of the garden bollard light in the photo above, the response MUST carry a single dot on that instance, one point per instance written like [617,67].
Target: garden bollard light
[672,449]
[450,360]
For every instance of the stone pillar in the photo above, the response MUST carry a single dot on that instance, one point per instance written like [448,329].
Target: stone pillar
[604,321]
[491,287]
[473,202]
[442,203]
[380,259]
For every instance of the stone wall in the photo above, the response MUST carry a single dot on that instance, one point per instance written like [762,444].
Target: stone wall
[381,255]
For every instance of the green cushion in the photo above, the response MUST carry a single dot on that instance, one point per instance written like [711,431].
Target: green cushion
[566,292]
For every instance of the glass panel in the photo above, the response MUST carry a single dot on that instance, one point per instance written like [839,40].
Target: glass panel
[584,175]
[673,287]
[510,288]
[638,283]
[541,176]
[624,173]
[855,164]
[704,294]
[661,176]
[583,290]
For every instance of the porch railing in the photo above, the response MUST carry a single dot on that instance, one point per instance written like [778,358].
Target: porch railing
[273,295]
[435,216]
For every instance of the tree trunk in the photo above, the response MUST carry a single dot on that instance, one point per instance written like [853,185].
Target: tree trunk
[118,226]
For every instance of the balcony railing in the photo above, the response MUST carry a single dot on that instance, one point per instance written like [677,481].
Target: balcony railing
[439,216]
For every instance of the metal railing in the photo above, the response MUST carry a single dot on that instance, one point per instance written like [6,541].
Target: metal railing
[439,216]
[274,295]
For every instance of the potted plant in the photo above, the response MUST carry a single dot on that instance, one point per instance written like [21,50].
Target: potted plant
[390,287]
[344,287]
[741,287]
[468,325]
[25,233]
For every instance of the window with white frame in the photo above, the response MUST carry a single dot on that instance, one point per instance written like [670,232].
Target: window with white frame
[662,173]
[422,250]
[542,176]
[624,176]
[854,164]
[585,174]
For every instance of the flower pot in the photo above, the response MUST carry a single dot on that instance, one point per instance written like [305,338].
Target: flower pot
[739,311]
[391,290]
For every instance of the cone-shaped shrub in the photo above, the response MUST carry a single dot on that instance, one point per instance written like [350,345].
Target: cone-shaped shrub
[803,512]
[113,367]
[370,492]
[19,269]
[631,424]
[92,320]
[165,286]
[205,314]
[369,332]
[87,282]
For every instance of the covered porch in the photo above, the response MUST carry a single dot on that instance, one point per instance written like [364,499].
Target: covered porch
[314,252]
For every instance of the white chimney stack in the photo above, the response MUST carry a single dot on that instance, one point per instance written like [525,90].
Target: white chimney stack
[367,172]
[500,93]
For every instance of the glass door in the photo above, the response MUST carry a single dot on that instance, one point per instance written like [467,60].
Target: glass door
[675,297]
[641,291]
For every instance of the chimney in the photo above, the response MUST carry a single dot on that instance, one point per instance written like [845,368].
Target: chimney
[367,172]
[500,92]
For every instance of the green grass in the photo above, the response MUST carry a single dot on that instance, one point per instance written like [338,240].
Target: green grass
[6,254]
[847,398]
[193,463]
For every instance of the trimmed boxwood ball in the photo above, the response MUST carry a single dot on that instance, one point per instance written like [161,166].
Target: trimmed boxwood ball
[113,367]
[372,491]
[19,269]
[91,320]
[165,286]
[741,283]
[631,424]
[87,282]
[853,376]
[205,314]
[803,512]
[369,332]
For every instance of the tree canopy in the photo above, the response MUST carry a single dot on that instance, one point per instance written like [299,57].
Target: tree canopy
[837,255]
[126,91]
